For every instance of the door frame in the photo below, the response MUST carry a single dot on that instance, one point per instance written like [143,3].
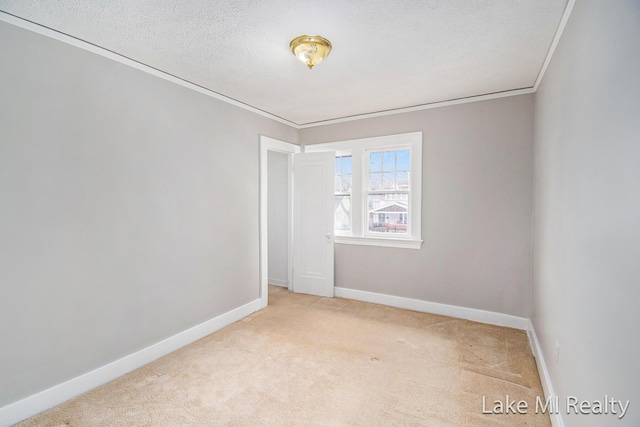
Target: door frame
[270,144]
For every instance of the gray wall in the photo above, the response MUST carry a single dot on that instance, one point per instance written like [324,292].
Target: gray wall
[277,217]
[128,210]
[476,208]
[587,209]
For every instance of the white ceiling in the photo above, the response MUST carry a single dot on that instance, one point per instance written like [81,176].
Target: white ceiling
[386,54]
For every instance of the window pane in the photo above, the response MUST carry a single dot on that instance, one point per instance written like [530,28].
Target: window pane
[389,161]
[342,210]
[375,181]
[375,162]
[402,180]
[342,180]
[346,183]
[402,160]
[394,166]
[388,213]
[346,164]
[388,181]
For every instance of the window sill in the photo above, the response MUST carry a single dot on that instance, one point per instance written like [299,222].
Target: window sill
[379,241]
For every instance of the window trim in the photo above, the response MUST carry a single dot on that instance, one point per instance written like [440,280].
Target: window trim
[359,229]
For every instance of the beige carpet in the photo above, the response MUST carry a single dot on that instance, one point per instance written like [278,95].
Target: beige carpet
[312,361]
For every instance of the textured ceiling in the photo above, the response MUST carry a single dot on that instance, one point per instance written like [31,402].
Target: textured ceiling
[386,54]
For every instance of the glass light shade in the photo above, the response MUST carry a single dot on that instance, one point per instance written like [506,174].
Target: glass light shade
[310,49]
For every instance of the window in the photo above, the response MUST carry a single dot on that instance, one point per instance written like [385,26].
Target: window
[388,191]
[377,190]
[342,189]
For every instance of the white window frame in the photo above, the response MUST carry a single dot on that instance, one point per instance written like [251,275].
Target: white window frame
[359,149]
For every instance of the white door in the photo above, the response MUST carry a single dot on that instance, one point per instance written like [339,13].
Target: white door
[313,199]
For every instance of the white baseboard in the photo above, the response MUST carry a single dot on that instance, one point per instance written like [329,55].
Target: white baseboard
[545,379]
[279,282]
[60,393]
[474,314]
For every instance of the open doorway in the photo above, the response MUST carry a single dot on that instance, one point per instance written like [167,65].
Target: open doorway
[278,218]
[276,202]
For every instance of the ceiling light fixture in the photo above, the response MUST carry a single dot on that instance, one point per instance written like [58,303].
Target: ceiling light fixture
[310,49]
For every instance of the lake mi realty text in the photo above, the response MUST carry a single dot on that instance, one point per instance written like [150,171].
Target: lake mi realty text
[551,405]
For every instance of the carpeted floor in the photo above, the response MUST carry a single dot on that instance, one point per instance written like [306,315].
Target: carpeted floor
[312,361]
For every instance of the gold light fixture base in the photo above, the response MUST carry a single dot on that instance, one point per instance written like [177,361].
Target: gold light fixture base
[311,50]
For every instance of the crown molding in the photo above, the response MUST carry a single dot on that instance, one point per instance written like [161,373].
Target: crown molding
[556,39]
[82,44]
[429,106]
